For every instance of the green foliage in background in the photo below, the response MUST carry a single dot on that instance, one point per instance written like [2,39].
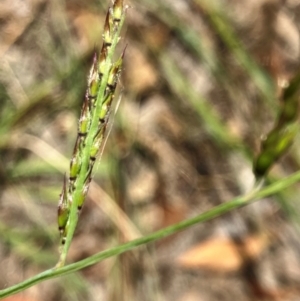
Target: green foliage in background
[33,179]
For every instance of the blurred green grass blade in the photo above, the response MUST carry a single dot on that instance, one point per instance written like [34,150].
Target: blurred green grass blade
[221,24]
[181,87]
[32,168]
[190,38]
[198,46]
[20,242]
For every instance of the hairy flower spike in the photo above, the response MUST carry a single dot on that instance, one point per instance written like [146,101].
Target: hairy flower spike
[102,81]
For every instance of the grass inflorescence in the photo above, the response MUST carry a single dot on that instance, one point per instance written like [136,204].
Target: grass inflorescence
[282,135]
[102,81]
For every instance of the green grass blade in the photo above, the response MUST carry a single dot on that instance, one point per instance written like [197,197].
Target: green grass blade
[235,203]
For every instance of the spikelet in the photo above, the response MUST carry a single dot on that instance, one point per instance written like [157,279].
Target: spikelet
[63,208]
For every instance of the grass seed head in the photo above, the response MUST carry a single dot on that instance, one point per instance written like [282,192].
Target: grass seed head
[102,81]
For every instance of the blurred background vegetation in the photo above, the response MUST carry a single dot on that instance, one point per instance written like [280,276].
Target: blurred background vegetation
[200,87]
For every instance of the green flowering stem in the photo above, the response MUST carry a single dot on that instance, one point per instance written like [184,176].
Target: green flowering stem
[102,82]
[235,203]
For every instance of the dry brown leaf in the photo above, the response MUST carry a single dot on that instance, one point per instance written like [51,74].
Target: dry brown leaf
[191,296]
[221,254]
[18,298]
[139,72]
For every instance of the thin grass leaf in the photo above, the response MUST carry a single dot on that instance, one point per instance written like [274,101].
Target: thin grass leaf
[238,202]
